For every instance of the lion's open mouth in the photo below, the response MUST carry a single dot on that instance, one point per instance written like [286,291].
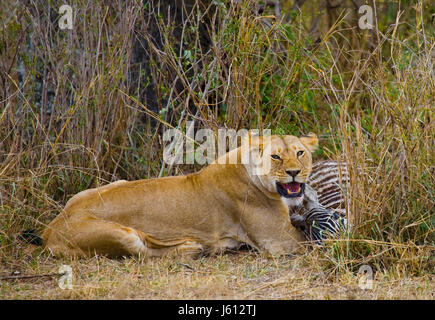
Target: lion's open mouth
[290,190]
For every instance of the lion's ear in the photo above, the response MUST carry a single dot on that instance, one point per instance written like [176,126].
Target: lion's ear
[310,141]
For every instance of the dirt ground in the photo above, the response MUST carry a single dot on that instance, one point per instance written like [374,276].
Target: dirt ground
[241,275]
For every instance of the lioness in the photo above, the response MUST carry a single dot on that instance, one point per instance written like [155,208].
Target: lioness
[219,207]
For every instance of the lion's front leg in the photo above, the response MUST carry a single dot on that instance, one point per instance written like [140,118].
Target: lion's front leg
[286,242]
[272,232]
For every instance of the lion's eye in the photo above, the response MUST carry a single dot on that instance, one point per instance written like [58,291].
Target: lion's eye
[300,153]
[275,156]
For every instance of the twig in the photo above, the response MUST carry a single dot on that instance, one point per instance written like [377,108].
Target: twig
[186,265]
[32,276]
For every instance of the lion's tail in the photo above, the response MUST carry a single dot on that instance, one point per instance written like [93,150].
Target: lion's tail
[31,236]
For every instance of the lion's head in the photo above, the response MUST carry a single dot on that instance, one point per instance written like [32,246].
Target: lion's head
[288,161]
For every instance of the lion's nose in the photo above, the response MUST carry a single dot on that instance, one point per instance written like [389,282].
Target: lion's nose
[293,173]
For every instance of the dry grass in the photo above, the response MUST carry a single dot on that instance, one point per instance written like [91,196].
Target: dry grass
[243,275]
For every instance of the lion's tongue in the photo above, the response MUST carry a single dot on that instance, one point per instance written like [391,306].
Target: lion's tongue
[292,187]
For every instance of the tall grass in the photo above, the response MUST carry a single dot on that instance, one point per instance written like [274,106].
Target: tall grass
[387,131]
[93,102]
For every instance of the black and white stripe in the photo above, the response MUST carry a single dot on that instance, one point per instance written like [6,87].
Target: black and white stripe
[318,223]
[321,223]
[330,179]
[323,212]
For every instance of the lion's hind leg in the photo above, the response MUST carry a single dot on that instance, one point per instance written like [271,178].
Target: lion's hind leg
[186,247]
[86,235]
[191,249]
[83,234]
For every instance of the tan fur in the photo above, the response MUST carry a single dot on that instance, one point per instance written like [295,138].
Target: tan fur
[219,207]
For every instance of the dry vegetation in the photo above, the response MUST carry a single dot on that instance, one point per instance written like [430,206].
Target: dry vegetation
[243,275]
[83,107]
